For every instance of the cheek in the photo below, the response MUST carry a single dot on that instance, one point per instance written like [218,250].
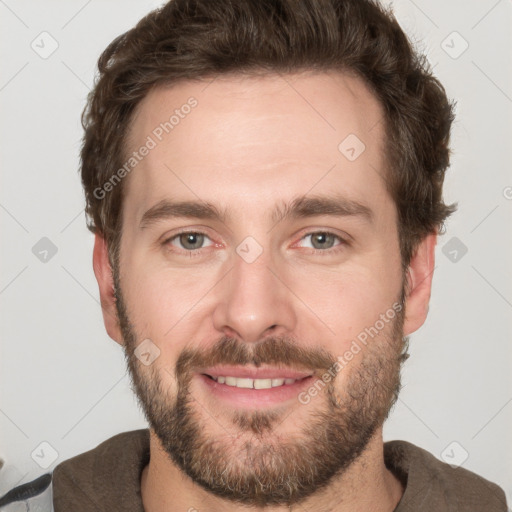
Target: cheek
[350,299]
[163,302]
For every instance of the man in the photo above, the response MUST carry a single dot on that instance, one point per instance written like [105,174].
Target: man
[264,181]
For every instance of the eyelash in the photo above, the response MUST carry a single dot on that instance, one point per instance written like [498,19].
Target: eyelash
[324,252]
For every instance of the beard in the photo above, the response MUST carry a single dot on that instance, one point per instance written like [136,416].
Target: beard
[255,465]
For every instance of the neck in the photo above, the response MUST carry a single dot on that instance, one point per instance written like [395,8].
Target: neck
[365,485]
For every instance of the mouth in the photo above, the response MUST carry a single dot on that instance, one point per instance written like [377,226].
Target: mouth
[246,383]
[243,387]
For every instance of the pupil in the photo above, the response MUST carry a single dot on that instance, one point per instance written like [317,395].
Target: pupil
[192,241]
[322,239]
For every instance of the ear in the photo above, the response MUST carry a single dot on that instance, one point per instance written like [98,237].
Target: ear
[419,282]
[103,273]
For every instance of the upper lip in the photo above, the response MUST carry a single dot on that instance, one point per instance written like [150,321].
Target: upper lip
[255,373]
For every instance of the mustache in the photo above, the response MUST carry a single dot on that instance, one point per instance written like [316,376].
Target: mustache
[277,351]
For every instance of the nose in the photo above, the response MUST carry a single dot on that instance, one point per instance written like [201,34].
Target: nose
[254,301]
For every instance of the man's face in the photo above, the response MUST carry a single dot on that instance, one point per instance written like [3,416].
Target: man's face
[252,289]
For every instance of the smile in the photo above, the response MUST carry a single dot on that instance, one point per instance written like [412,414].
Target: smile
[247,392]
[253,383]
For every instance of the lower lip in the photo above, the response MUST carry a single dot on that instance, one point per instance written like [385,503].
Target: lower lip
[255,397]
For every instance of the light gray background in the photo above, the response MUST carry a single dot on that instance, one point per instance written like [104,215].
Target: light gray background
[63,381]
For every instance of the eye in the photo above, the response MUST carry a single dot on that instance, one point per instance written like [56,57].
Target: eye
[191,242]
[188,240]
[322,241]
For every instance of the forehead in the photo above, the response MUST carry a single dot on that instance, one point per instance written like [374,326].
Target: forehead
[236,141]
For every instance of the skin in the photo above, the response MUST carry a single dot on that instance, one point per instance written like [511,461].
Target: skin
[249,145]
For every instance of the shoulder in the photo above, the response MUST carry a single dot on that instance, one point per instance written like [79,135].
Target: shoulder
[104,475]
[430,481]
[121,446]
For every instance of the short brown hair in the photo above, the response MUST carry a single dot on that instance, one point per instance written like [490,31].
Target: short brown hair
[194,39]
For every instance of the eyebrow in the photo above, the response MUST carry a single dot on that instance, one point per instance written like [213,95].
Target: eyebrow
[300,207]
[311,206]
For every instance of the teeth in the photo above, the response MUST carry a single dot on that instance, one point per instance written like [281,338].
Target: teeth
[253,383]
